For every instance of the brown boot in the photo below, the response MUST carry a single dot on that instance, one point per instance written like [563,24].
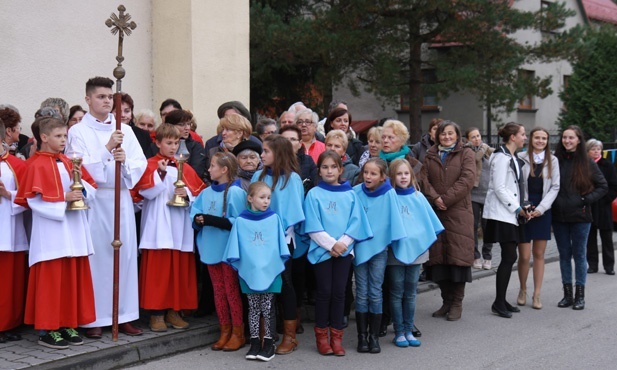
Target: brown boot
[458,293]
[157,323]
[289,342]
[236,341]
[336,342]
[223,339]
[446,296]
[175,320]
[321,339]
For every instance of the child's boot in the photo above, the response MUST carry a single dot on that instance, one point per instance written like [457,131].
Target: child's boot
[254,350]
[321,337]
[237,340]
[336,342]
[223,338]
[373,338]
[157,323]
[267,352]
[289,342]
[175,320]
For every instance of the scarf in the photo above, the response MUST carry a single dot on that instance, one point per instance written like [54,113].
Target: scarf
[389,157]
[444,151]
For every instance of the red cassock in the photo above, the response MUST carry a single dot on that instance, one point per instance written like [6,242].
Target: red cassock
[60,292]
[167,277]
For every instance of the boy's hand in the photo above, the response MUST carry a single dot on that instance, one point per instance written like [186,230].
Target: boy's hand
[115,140]
[3,192]
[119,155]
[163,164]
[181,192]
[73,195]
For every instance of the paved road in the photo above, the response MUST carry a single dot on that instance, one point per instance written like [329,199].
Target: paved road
[551,338]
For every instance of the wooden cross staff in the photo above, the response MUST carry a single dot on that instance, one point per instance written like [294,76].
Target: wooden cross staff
[120,24]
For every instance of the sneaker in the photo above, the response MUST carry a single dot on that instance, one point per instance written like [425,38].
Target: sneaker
[53,339]
[254,350]
[411,340]
[267,352]
[486,264]
[477,264]
[157,323]
[72,336]
[400,341]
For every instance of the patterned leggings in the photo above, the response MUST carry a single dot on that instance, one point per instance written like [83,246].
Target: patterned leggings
[226,294]
[260,304]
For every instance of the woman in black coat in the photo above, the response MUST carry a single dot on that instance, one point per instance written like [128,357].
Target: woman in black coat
[602,212]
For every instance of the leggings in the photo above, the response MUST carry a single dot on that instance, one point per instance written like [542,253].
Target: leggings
[504,271]
[288,293]
[226,294]
[331,278]
[260,304]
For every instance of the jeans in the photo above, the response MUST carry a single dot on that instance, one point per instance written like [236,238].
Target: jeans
[369,278]
[487,248]
[403,285]
[571,238]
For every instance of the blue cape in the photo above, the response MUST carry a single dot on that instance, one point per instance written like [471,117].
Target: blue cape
[422,226]
[381,207]
[337,211]
[287,202]
[211,241]
[257,248]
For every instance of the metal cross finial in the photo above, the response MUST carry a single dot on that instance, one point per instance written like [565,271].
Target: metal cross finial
[120,24]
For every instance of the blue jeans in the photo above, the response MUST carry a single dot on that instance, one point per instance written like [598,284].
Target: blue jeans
[369,278]
[571,238]
[403,285]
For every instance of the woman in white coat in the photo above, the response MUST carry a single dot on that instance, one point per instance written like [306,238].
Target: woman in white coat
[541,174]
[503,207]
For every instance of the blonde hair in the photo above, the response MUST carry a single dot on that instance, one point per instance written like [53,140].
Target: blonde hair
[236,122]
[255,187]
[337,135]
[395,164]
[399,129]
[166,130]
[375,132]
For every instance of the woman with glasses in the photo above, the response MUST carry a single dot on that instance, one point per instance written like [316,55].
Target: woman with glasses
[306,120]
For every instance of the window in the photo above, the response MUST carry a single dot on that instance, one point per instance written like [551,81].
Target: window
[429,97]
[527,101]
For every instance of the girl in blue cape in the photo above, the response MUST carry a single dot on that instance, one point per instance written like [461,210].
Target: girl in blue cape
[380,203]
[405,256]
[213,213]
[280,173]
[258,251]
[334,221]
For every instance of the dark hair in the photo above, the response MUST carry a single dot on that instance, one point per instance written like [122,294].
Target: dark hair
[442,126]
[336,113]
[285,161]
[380,163]
[166,131]
[434,122]
[293,128]
[178,116]
[124,98]
[329,154]
[581,171]
[470,130]
[172,102]
[2,131]
[510,128]
[547,153]
[74,109]
[261,125]
[10,117]
[95,82]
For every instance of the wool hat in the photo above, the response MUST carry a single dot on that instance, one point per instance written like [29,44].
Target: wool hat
[247,144]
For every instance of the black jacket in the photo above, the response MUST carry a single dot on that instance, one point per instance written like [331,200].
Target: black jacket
[145,141]
[602,210]
[308,170]
[570,205]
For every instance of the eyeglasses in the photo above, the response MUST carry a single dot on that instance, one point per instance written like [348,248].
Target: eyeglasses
[303,123]
[292,139]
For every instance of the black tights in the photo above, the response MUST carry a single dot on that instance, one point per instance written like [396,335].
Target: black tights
[504,271]
[288,293]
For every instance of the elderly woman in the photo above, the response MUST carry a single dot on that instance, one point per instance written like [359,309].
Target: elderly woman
[145,120]
[234,129]
[306,120]
[393,139]
[374,145]
[340,119]
[248,155]
[602,212]
[448,174]
[265,127]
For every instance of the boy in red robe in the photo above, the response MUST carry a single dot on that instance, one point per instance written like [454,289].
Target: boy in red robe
[60,295]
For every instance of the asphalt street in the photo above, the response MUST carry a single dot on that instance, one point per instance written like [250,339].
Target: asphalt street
[550,338]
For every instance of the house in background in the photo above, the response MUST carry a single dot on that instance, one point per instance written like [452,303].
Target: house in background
[465,108]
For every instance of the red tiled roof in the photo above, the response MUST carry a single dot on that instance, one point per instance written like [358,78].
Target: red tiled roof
[361,126]
[601,10]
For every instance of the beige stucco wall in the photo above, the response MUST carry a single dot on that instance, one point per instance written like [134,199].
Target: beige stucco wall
[193,50]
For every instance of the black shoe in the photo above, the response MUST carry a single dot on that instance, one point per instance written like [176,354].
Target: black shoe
[53,339]
[416,332]
[511,308]
[254,350]
[501,313]
[567,299]
[71,336]
[267,352]
[610,272]
[345,321]
[422,276]
[383,330]
[579,298]
[592,270]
